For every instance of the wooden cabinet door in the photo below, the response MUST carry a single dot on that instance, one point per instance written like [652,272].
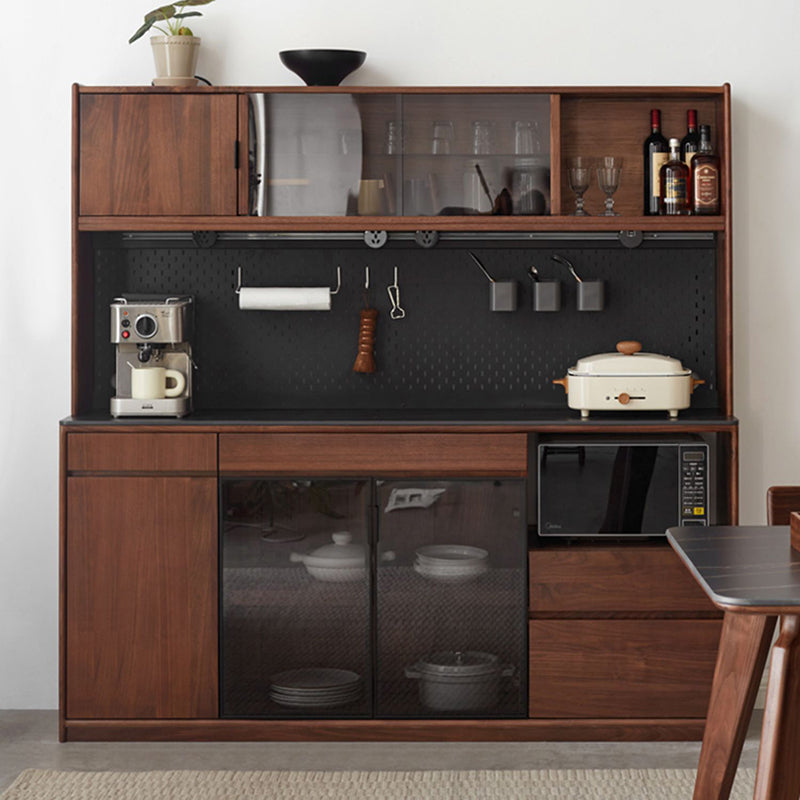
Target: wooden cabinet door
[141,598]
[158,154]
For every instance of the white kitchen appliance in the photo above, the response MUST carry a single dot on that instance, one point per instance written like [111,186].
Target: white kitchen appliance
[629,380]
[154,358]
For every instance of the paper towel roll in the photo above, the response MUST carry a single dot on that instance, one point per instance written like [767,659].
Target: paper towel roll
[285,298]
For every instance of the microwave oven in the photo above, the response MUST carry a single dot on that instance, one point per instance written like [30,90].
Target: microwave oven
[622,487]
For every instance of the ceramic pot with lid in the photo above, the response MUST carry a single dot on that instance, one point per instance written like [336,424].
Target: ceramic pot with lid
[338,562]
[629,380]
[459,680]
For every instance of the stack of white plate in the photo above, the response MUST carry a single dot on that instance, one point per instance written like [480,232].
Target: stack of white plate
[315,687]
[451,563]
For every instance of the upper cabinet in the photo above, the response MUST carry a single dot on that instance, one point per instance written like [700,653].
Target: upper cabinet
[359,158]
[149,154]
[399,155]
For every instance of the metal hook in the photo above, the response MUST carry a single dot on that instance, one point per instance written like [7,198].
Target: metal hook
[366,278]
[238,280]
[338,281]
[394,295]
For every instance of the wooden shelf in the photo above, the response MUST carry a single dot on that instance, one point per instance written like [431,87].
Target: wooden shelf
[475,224]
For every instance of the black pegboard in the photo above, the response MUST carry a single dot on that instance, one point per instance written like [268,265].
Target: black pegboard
[450,351]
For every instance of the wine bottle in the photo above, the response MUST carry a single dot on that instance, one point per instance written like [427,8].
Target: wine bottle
[655,154]
[674,182]
[691,142]
[706,176]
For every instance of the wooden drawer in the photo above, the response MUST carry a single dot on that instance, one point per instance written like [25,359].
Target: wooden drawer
[187,453]
[440,455]
[640,579]
[622,668]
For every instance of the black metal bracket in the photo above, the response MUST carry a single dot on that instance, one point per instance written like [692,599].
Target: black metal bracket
[204,239]
[630,239]
[426,239]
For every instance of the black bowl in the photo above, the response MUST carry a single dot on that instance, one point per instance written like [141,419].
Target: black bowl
[322,67]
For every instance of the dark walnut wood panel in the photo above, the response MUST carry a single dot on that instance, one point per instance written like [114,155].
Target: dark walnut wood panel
[398,730]
[142,452]
[157,154]
[141,598]
[598,126]
[621,668]
[436,455]
[158,223]
[593,579]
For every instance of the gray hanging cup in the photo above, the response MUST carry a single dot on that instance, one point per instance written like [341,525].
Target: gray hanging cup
[503,296]
[591,295]
[547,295]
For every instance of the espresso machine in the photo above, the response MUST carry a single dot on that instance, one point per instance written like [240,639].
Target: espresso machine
[153,356]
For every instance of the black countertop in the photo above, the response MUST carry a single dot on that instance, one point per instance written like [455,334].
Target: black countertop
[514,418]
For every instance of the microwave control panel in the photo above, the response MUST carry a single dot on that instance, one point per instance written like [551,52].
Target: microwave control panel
[694,485]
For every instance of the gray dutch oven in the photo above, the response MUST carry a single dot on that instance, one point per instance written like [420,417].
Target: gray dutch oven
[459,680]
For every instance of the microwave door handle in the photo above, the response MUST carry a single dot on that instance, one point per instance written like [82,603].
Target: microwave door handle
[259,179]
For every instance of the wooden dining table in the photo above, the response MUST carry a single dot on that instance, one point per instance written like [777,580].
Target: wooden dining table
[752,573]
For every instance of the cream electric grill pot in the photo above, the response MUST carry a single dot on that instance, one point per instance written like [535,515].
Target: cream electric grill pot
[629,380]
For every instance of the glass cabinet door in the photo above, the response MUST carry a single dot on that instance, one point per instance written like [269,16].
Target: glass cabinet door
[451,599]
[471,154]
[295,599]
[388,154]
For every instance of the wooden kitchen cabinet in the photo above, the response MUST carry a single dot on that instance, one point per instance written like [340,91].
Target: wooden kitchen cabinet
[620,641]
[142,597]
[159,154]
[140,568]
[618,631]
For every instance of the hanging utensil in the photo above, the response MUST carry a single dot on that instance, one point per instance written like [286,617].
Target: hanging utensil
[365,359]
[394,296]
[561,260]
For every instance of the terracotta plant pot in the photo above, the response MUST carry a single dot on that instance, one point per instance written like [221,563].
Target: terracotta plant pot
[176,59]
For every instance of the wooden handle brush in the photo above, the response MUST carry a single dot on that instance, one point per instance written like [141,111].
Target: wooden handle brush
[365,360]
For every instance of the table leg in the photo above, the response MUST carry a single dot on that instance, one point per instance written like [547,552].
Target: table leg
[743,649]
[778,774]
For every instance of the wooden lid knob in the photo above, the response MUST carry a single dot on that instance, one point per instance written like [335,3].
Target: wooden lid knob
[629,347]
[624,398]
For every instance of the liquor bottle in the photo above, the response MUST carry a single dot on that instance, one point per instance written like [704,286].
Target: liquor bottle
[706,176]
[655,154]
[674,182]
[691,142]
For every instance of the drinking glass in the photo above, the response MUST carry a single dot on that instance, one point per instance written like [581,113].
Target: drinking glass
[579,176]
[526,138]
[393,140]
[609,171]
[443,135]
[482,137]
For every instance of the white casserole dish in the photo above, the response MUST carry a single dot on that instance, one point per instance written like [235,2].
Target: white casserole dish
[629,380]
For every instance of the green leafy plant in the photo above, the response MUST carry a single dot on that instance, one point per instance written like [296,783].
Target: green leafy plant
[172,16]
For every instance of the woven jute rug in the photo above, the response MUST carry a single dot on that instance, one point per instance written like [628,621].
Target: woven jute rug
[548,784]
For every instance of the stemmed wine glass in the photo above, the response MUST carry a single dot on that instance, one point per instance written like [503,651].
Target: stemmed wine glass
[579,175]
[609,171]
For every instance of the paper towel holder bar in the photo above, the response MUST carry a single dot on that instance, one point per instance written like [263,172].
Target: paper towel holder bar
[239,286]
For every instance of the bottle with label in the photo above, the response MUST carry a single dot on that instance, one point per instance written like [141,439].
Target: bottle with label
[706,179]
[655,154]
[674,182]
[690,143]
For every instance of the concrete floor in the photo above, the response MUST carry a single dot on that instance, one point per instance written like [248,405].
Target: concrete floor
[30,739]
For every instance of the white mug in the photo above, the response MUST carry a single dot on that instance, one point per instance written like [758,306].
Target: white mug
[150,383]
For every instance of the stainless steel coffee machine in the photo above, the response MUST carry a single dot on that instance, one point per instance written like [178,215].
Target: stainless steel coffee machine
[154,357]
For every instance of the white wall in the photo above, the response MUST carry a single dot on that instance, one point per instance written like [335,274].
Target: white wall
[422,42]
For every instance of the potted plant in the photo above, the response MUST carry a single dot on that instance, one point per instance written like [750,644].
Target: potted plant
[175,52]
